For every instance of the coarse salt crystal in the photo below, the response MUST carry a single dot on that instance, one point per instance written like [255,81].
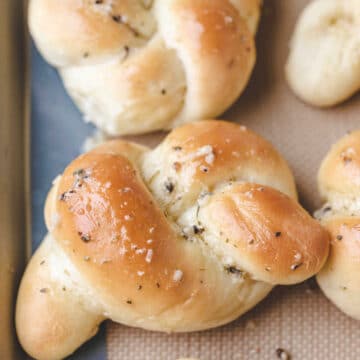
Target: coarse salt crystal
[210,158]
[178,274]
[149,256]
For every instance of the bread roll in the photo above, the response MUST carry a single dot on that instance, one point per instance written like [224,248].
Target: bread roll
[323,68]
[184,237]
[339,183]
[139,66]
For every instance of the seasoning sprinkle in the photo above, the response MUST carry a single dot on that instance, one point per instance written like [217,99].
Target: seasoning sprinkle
[233,270]
[198,229]
[177,148]
[127,50]
[139,287]
[149,256]
[84,237]
[178,275]
[295,266]
[42,262]
[44,290]
[129,302]
[169,186]
[79,172]
[278,233]
[117,18]
[339,237]
[282,354]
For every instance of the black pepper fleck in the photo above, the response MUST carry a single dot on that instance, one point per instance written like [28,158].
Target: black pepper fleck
[129,302]
[117,18]
[84,237]
[44,290]
[198,229]
[169,186]
[278,233]
[282,354]
[295,266]
[233,270]
[339,237]
[79,173]
[62,197]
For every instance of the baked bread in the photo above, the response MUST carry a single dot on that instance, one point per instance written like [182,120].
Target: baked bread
[184,237]
[339,183]
[323,68]
[139,66]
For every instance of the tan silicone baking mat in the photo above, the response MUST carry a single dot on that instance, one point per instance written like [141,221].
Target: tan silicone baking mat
[298,319]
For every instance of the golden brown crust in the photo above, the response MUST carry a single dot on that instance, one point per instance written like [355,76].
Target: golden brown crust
[208,36]
[286,248]
[339,173]
[339,185]
[132,246]
[109,69]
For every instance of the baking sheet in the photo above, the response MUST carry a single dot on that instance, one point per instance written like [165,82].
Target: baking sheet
[298,319]
[14,189]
